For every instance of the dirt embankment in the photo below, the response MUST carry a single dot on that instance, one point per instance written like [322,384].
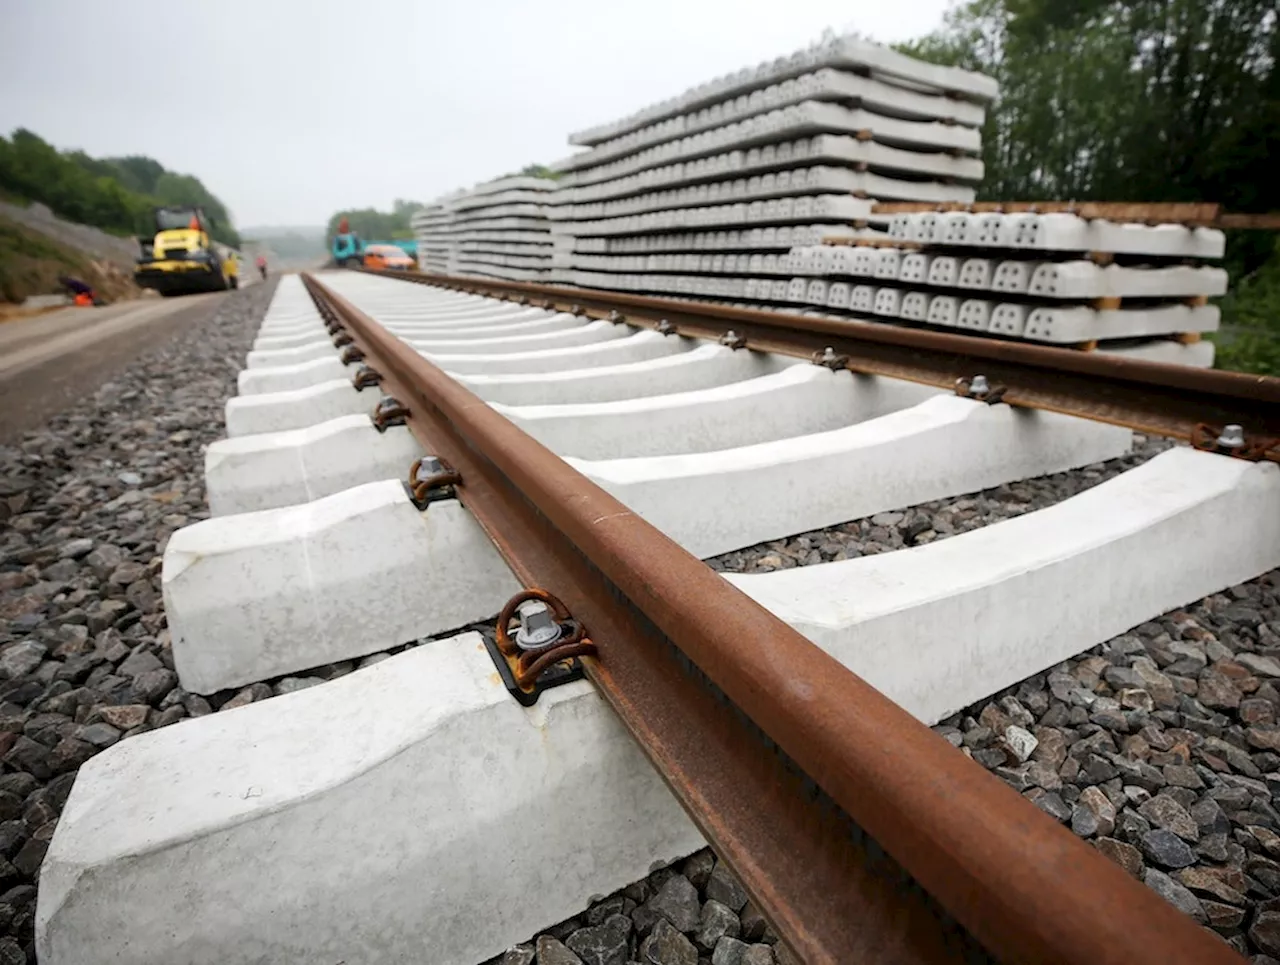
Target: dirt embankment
[31,262]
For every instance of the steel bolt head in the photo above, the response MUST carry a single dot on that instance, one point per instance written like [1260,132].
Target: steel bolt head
[979,385]
[538,628]
[1232,436]
[427,467]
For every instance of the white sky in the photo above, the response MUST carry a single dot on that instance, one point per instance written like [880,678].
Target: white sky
[291,109]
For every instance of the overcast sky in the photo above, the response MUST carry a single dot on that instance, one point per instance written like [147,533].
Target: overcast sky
[291,109]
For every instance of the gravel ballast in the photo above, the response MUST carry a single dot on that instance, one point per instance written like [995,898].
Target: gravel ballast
[1159,747]
[86,506]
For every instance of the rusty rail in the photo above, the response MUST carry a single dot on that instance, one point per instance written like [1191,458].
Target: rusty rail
[860,834]
[1176,401]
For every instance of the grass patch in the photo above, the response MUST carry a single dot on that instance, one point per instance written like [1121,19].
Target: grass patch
[1250,336]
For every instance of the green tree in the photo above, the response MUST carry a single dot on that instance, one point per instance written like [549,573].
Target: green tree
[1133,100]
[373,225]
[138,173]
[115,194]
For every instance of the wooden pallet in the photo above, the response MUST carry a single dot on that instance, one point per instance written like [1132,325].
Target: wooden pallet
[1184,338]
[1192,214]
[1115,302]
[874,242]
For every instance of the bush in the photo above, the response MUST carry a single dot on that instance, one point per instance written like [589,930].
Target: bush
[114,194]
[1250,337]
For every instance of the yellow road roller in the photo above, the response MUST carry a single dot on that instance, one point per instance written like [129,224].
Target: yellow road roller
[183,258]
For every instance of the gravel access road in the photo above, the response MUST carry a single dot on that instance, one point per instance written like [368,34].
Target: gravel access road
[49,361]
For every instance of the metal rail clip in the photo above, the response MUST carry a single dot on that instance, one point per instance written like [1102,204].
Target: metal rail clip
[1231,440]
[980,390]
[388,412]
[351,353]
[733,340]
[617,317]
[666,328]
[830,359]
[431,479]
[546,651]
[342,339]
[365,377]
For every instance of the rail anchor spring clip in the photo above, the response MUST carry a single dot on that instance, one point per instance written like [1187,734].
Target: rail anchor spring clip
[829,359]
[431,479]
[388,412]
[365,377]
[980,390]
[1231,440]
[545,651]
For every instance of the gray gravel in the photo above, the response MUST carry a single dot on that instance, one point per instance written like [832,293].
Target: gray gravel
[86,506]
[1161,748]
[692,913]
[930,522]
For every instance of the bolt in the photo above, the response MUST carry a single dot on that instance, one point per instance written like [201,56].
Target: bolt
[538,628]
[426,467]
[828,355]
[979,385]
[1232,437]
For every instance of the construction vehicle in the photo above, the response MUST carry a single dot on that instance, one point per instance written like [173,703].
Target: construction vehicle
[347,248]
[183,258]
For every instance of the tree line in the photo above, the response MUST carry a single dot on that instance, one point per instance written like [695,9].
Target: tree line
[1138,100]
[114,194]
[373,225]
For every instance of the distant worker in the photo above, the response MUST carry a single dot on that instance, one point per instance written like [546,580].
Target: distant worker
[262,266]
[81,294]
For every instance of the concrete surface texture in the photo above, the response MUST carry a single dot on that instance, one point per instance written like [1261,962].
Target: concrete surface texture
[940,626]
[362,821]
[274,469]
[799,400]
[713,502]
[297,408]
[263,594]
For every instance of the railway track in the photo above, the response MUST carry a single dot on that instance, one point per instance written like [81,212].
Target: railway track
[688,432]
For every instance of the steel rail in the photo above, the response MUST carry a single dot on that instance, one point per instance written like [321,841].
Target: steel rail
[1177,401]
[860,834]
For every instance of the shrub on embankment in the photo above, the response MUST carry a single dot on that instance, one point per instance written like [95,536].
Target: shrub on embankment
[30,264]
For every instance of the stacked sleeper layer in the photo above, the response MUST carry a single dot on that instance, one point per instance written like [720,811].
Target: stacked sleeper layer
[1017,275]
[760,162]
[432,227]
[499,230]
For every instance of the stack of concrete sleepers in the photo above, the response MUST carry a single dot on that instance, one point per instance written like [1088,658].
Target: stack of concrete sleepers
[704,194]
[499,229]
[432,226]
[1056,278]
